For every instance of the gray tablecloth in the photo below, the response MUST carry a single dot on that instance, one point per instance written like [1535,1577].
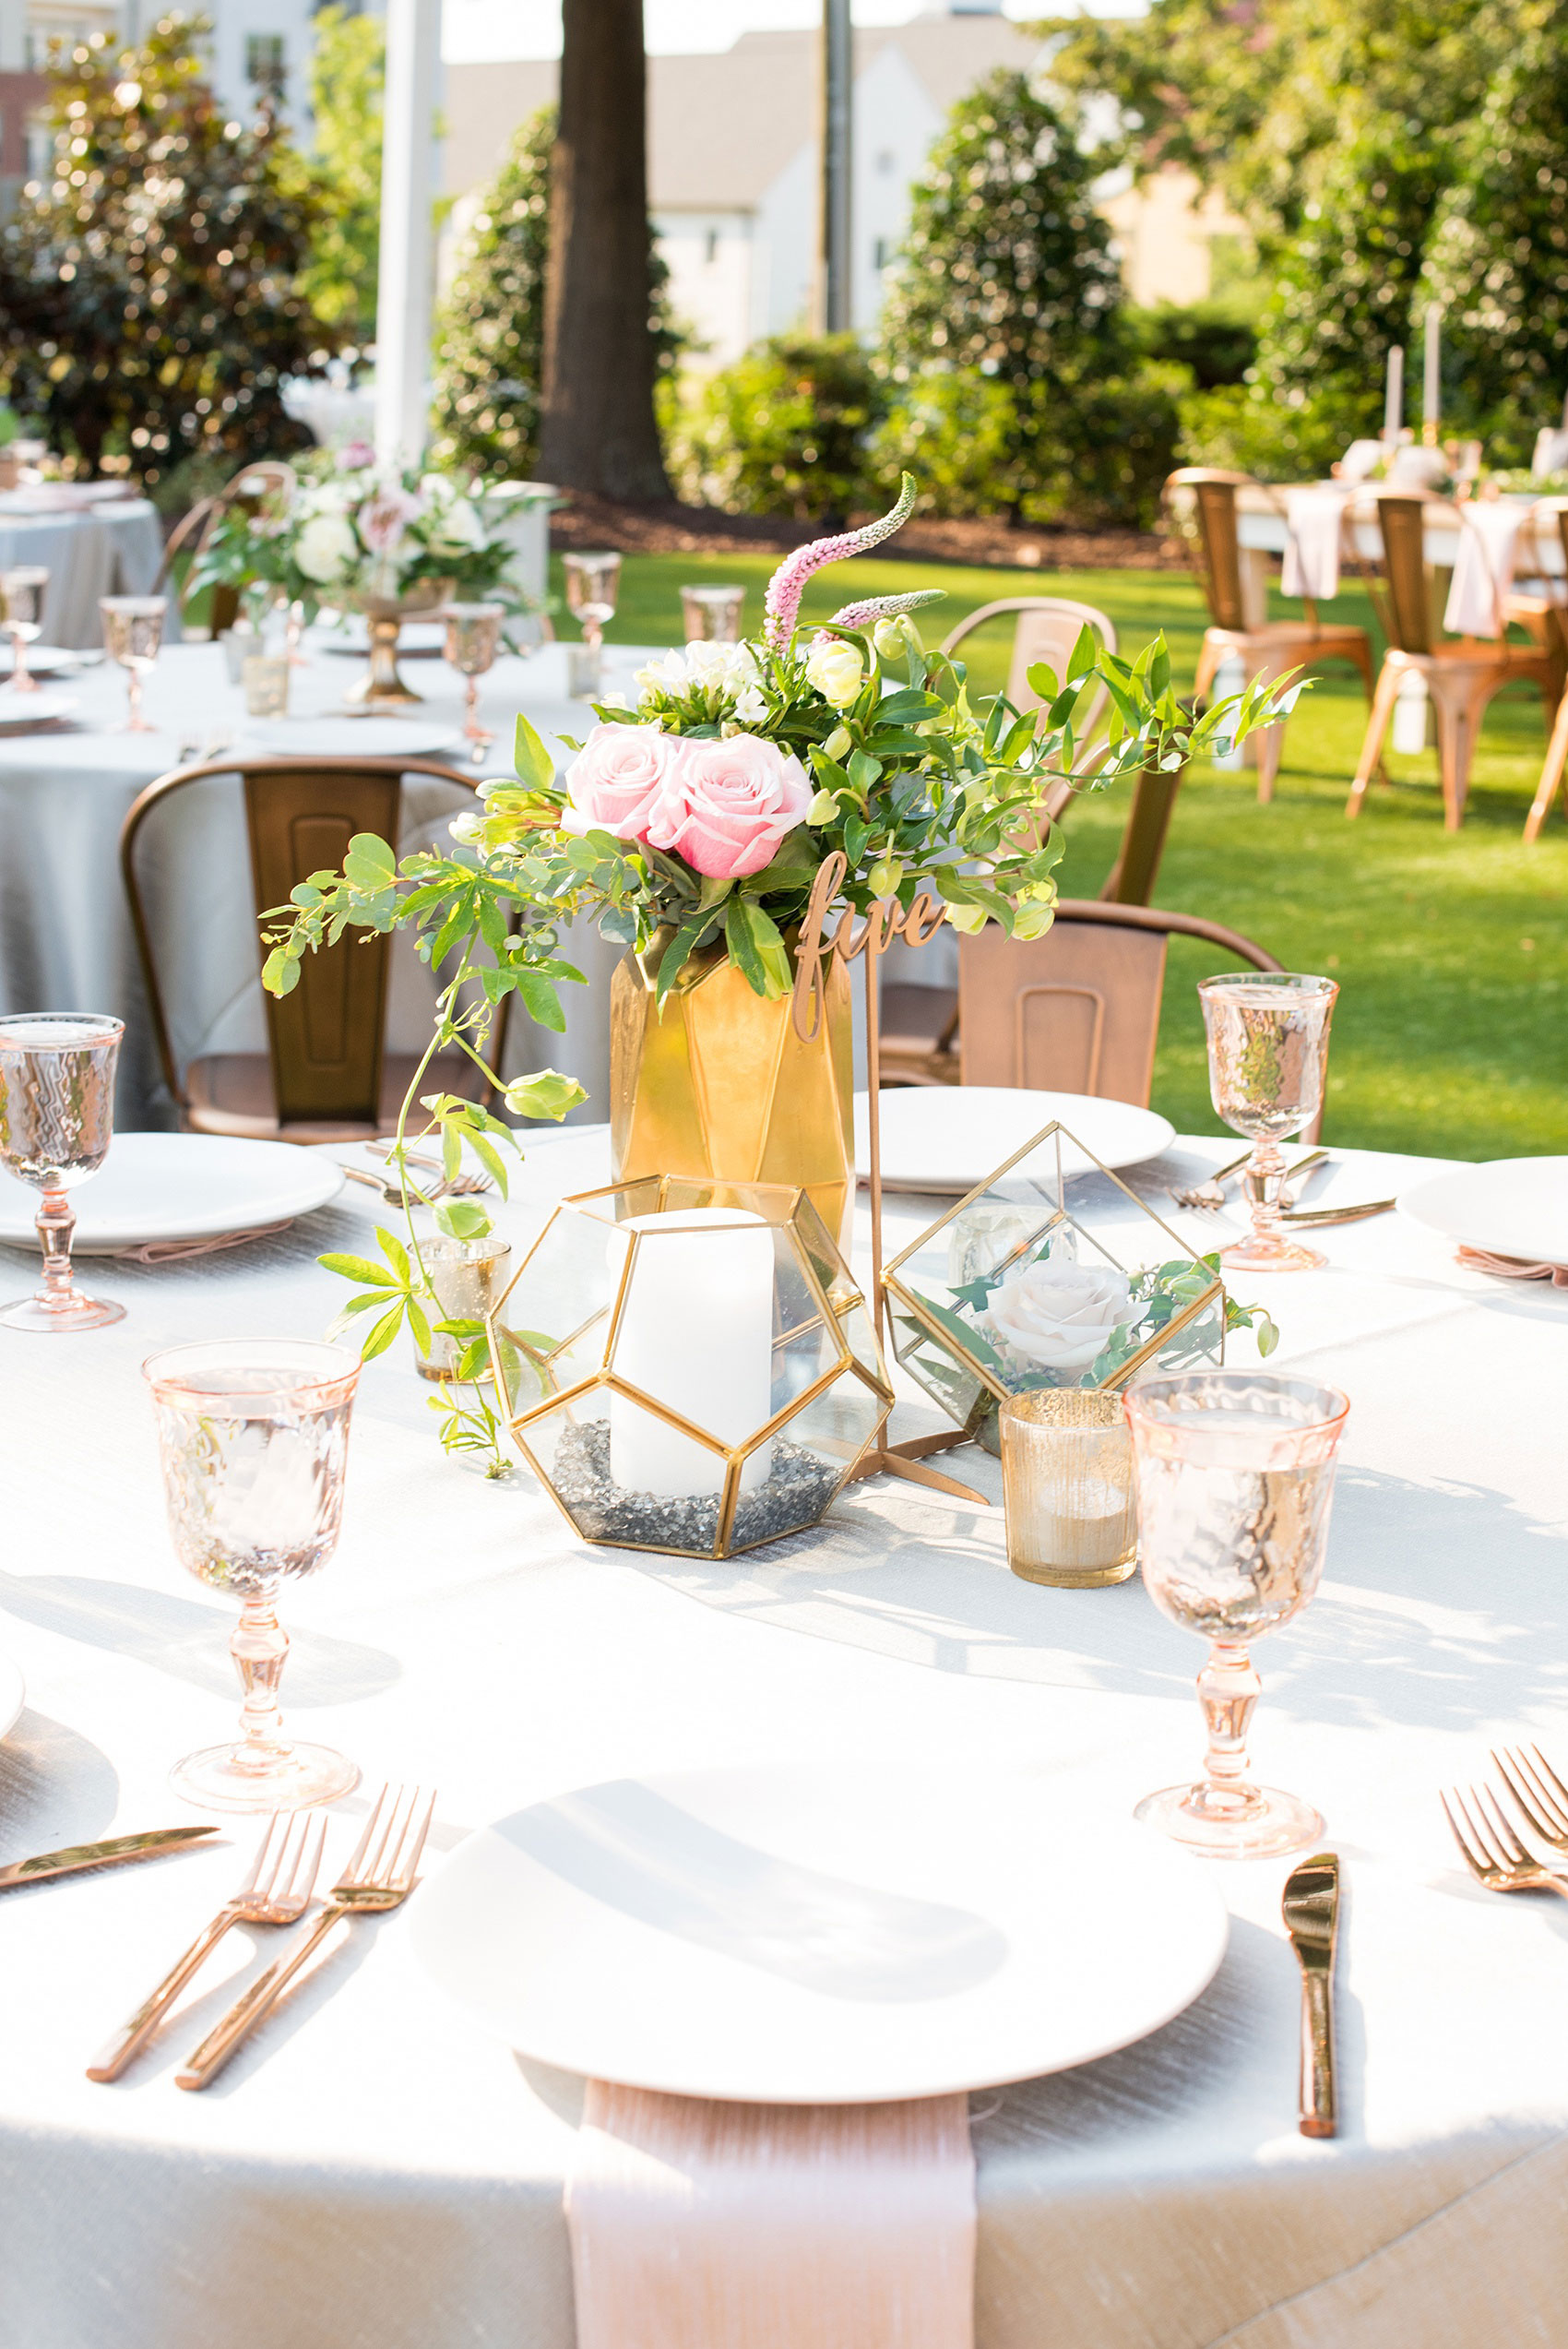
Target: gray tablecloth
[375,2172]
[114,549]
[66,942]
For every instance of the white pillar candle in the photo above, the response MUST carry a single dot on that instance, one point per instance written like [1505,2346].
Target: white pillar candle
[696,1334]
[1394,400]
[1429,375]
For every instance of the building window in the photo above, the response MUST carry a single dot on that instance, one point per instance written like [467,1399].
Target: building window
[710,252]
[882,253]
[264,61]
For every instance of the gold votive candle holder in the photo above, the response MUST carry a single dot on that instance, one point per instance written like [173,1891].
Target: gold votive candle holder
[1067,1487]
[467,1277]
[264,678]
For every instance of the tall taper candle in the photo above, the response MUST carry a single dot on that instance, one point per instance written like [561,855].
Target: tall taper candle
[1429,379]
[1394,400]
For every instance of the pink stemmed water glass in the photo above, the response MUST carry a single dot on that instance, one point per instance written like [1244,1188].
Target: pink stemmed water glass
[1235,1477]
[22,588]
[253,1434]
[56,1123]
[133,631]
[473,640]
[1267,1058]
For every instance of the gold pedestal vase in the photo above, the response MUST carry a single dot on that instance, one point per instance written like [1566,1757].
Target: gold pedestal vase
[720,1085]
[382,686]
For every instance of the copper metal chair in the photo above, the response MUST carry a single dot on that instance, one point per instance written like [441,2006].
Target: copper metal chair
[1200,506]
[1077,1012]
[1462,677]
[193,531]
[1048,628]
[325,1075]
[1545,615]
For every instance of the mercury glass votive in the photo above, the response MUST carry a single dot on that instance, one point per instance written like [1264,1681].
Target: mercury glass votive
[712,614]
[468,1277]
[263,677]
[1067,1487]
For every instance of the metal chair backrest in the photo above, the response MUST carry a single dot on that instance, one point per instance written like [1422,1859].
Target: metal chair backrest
[326,1039]
[1547,520]
[1398,577]
[195,530]
[1048,628]
[1078,1011]
[1200,505]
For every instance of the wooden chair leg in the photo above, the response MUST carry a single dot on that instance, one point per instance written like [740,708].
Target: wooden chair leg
[1550,774]
[1208,663]
[1457,714]
[1372,742]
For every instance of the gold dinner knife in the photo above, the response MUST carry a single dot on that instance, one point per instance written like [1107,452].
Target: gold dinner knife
[1310,1909]
[78,1856]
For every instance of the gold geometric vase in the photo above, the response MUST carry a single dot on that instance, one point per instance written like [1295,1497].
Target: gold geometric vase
[719,1087]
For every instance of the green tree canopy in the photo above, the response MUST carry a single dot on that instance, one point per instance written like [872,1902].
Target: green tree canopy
[148,283]
[348,74]
[1008,267]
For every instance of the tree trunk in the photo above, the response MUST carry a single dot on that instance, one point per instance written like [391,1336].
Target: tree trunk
[599,430]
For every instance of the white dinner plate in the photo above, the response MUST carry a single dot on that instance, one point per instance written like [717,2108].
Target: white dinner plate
[179,1186]
[794,1934]
[353,737]
[21,712]
[1509,1206]
[42,659]
[13,1696]
[948,1138]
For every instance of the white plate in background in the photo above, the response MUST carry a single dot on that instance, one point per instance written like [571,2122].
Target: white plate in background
[179,1186]
[948,1138]
[800,1934]
[351,737]
[1506,1207]
[21,712]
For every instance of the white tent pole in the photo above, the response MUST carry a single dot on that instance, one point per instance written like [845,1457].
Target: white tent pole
[408,244]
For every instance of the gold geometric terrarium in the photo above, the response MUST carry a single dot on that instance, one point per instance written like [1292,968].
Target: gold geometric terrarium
[1014,1289]
[688,1366]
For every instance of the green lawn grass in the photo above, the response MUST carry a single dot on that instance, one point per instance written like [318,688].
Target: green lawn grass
[1451,1034]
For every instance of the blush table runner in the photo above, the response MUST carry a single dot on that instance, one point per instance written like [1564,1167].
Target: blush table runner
[703,2226]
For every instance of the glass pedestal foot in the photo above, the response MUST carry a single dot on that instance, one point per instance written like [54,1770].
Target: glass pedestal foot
[49,1317]
[1258,1826]
[229,1778]
[1255,1255]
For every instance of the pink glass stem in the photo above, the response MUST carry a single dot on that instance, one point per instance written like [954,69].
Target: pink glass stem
[22,679]
[1228,1688]
[55,1222]
[260,1649]
[472,729]
[137,723]
[1262,1182]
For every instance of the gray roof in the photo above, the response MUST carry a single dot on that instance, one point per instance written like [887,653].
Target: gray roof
[722,128]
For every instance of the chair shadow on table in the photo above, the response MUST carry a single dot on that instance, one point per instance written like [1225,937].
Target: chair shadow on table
[1444,1606]
[190,1642]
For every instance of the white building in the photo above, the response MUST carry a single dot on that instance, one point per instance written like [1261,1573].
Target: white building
[256,45]
[733,165]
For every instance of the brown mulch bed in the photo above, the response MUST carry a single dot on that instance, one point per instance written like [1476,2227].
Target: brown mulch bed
[586,522]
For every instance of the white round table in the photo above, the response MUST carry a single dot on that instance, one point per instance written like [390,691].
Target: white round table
[111,547]
[373,2169]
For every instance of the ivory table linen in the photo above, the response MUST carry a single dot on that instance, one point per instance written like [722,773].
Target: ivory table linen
[374,2171]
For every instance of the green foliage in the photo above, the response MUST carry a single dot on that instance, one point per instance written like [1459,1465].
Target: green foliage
[1245,428]
[958,432]
[348,73]
[1100,455]
[1497,259]
[1008,267]
[149,299]
[787,429]
[1217,339]
[490,336]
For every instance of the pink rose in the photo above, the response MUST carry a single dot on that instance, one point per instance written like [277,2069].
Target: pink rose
[730,805]
[384,518]
[618,779]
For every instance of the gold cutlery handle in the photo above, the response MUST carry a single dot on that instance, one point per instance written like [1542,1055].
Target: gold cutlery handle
[111,2058]
[1318,2115]
[248,2009]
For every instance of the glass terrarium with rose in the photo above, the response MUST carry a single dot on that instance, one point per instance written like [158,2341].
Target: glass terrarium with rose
[1053,1273]
[690,825]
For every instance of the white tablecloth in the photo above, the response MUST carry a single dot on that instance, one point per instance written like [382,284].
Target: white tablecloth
[374,2171]
[66,942]
[113,549]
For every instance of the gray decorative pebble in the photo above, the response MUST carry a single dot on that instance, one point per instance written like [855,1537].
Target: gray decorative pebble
[794,1495]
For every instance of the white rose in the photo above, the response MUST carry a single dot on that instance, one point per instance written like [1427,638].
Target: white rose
[459,525]
[837,670]
[1058,1316]
[325,548]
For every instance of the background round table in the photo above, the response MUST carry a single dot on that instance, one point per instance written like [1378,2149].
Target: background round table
[372,2169]
[114,546]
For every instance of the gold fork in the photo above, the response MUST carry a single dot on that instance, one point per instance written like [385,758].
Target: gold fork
[1493,1853]
[379,1876]
[1539,1794]
[277,1891]
[1212,1193]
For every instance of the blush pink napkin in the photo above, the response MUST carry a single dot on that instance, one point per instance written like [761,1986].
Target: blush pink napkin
[1514,1267]
[703,2226]
[1483,570]
[176,1251]
[1313,519]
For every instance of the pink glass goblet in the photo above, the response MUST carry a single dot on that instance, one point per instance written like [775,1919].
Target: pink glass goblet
[1235,1476]
[1267,1056]
[253,1434]
[56,1123]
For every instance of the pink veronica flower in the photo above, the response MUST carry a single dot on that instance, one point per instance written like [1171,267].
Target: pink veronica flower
[781,604]
[729,805]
